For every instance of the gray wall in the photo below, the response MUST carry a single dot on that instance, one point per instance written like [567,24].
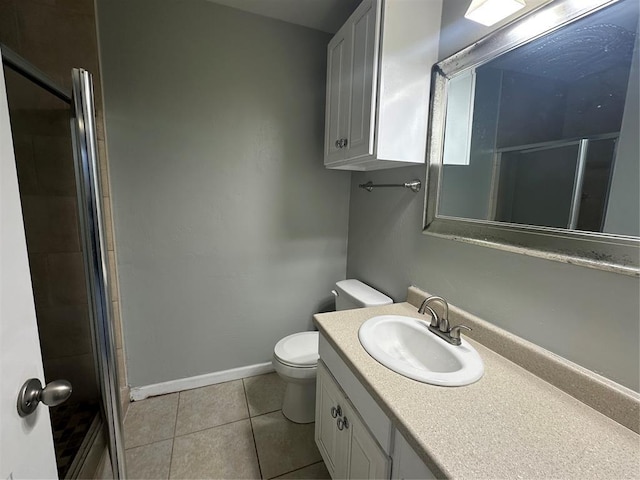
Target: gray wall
[588,316]
[230,232]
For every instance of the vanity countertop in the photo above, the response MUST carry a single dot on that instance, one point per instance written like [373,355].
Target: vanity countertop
[509,424]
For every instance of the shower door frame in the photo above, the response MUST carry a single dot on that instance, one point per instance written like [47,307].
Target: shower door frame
[91,220]
[583,144]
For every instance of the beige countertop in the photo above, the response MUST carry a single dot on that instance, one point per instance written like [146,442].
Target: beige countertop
[509,424]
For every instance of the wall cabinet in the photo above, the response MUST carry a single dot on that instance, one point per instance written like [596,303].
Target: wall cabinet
[378,80]
[347,447]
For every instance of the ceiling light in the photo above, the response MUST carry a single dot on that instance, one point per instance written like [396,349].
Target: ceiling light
[488,12]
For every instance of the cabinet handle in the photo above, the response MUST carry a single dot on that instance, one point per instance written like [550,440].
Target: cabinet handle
[338,143]
[344,142]
[336,412]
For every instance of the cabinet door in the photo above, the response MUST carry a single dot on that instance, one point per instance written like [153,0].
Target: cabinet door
[338,72]
[364,37]
[332,443]
[406,463]
[366,458]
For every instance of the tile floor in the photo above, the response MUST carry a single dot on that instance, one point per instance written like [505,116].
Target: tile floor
[230,430]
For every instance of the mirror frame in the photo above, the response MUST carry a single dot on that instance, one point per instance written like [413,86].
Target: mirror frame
[611,252]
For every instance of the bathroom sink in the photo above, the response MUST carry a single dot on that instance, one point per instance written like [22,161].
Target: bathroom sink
[406,346]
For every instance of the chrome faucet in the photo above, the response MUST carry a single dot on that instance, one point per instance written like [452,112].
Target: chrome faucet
[440,325]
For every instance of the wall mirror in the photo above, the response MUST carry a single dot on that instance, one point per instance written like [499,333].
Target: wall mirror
[534,137]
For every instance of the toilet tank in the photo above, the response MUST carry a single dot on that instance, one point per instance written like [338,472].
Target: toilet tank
[355,294]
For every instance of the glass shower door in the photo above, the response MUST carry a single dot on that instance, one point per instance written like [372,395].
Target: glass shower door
[54,141]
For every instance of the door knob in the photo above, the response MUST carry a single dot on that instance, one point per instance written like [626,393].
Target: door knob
[32,393]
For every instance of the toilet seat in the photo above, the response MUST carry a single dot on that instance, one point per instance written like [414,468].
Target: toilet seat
[299,350]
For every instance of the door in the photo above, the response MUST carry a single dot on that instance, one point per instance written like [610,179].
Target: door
[27,447]
[366,458]
[364,33]
[406,462]
[330,441]
[338,71]
[348,449]
[26,444]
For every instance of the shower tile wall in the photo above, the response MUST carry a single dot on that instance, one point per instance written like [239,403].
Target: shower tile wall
[57,35]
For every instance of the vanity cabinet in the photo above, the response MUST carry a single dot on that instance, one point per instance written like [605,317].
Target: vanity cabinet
[378,81]
[406,462]
[348,449]
[355,437]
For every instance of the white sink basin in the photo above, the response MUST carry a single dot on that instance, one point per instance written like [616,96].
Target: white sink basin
[406,346]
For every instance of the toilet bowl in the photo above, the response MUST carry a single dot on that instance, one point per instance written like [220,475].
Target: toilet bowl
[295,357]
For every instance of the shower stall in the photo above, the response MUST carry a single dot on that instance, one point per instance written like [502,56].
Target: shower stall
[54,145]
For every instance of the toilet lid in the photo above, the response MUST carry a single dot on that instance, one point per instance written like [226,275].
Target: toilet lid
[298,350]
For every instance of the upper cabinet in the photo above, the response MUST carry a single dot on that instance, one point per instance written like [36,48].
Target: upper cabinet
[378,79]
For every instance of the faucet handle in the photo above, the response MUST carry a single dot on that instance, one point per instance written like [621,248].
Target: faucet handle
[454,333]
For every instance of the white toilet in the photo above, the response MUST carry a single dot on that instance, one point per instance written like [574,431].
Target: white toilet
[295,357]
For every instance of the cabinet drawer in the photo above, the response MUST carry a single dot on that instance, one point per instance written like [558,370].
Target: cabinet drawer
[373,416]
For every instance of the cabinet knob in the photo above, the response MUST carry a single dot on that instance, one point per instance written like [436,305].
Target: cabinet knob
[336,412]
[341,143]
[343,423]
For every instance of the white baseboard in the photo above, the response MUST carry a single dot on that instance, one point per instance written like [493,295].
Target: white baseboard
[140,393]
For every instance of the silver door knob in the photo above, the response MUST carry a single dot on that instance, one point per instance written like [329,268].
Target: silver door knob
[338,143]
[32,393]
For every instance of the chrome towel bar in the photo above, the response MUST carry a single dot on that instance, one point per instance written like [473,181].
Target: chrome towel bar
[414,185]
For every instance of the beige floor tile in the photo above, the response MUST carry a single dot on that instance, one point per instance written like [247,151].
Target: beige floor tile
[150,420]
[317,471]
[211,406]
[149,461]
[283,446]
[227,451]
[264,393]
